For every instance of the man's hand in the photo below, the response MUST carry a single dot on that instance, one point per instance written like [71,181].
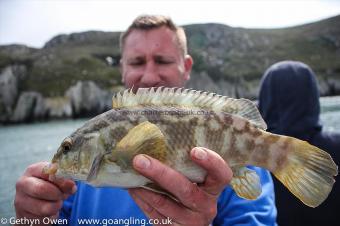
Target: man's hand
[197,203]
[36,197]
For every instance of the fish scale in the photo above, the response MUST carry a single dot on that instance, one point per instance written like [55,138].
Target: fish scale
[166,123]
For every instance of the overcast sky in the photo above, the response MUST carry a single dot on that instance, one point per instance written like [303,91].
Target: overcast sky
[33,22]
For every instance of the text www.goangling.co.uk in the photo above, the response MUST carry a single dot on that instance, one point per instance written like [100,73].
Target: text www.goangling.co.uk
[125,222]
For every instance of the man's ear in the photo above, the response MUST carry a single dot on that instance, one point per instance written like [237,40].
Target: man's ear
[188,62]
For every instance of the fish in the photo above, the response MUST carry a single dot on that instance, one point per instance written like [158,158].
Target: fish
[166,123]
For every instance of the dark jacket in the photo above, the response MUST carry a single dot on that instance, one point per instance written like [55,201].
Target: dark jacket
[289,103]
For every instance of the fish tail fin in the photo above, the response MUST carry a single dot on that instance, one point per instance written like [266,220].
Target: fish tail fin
[308,173]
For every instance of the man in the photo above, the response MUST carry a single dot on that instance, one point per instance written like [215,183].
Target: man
[154,53]
[297,114]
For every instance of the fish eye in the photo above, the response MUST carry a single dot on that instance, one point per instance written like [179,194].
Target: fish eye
[67,144]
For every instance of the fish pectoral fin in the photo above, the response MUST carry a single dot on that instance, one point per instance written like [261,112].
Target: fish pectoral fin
[155,188]
[246,183]
[145,138]
[95,168]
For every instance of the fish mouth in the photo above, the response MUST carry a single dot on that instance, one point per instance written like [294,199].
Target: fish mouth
[50,169]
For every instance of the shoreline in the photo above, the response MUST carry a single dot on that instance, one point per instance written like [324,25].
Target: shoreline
[328,103]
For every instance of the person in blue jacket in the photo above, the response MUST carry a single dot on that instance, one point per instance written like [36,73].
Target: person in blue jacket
[154,53]
[289,104]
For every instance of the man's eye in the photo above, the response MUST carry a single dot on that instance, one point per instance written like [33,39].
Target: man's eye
[164,62]
[136,63]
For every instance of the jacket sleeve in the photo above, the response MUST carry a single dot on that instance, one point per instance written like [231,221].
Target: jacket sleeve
[233,210]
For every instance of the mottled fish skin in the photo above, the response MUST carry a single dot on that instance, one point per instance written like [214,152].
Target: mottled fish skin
[232,137]
[177,120]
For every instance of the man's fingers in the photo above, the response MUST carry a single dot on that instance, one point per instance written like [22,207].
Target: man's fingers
[186,192]
[38,207]
[150,212]
[162,205]
[36,170]
[66,186]
[39,188]
[219,173]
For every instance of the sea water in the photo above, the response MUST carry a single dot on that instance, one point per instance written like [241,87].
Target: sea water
[25,144]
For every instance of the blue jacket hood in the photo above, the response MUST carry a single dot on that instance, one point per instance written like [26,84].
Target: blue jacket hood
[289,100]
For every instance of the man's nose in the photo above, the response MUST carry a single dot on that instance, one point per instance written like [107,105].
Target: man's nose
[150,76]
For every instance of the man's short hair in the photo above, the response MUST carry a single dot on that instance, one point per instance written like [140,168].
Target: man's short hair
[148,22]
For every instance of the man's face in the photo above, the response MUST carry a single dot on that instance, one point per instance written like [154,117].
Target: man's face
[152,58]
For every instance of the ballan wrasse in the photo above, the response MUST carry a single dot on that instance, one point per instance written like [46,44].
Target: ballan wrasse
[166,123]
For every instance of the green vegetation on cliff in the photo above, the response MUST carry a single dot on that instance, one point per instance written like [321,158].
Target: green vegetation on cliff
[222,52]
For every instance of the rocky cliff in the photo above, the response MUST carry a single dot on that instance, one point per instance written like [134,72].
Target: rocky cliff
[75,75]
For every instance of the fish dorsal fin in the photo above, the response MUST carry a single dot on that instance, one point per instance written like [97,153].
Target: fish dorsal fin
[163,96]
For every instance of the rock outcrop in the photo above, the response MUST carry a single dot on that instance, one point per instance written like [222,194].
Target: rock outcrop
[30,106]
[9,89]
[73,74]
[83,99]
[58,107]
[202,81]
[87,99]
